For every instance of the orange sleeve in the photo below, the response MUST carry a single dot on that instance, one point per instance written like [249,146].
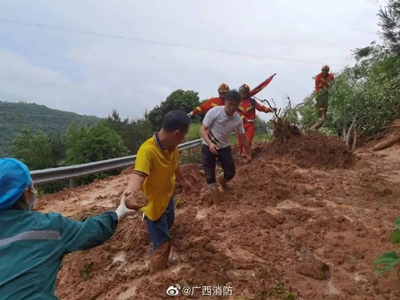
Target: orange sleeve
[262,108]
[203,108]
[317,82]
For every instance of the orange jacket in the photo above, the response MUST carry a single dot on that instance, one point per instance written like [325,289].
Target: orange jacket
[206,106]
[248,107]
[321,81]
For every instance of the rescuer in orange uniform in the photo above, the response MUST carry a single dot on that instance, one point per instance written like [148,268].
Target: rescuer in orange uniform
[247,111]
[322,83]
[212,102]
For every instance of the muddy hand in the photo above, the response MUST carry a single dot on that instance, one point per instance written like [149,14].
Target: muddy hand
[187,188]
[126,192]
[135,200]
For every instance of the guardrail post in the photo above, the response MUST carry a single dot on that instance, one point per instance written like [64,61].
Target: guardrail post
[72,183]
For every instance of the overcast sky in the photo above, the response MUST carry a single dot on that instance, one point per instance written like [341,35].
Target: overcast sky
[91,74]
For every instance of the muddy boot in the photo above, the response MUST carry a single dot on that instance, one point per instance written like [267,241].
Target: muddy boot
[159,260]
[222,181]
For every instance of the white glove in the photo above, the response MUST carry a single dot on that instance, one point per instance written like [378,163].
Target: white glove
[190,114]
[122,211]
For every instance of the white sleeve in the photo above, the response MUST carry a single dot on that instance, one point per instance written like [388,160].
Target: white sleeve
[239,125]
[209,117]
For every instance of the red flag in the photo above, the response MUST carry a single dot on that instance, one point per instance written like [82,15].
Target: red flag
[260,87]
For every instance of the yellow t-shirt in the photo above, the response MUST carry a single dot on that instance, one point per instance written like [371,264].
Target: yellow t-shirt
[159,166]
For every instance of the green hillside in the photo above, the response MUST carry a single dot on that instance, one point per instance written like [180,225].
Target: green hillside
[14,117]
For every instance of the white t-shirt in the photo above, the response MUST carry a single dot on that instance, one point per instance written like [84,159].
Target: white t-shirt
[220,126]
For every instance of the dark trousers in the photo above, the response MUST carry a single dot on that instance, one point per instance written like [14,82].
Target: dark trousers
[209,161]
[159,229]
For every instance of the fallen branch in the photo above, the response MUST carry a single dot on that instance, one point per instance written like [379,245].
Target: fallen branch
[388,142]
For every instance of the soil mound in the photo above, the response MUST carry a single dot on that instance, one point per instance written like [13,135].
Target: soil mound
[281,229]
[308,150]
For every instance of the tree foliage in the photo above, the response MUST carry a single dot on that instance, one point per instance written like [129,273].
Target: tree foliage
[133,132]
[14,117]
[35,150]
[366,94]
[179,99]
[94,143]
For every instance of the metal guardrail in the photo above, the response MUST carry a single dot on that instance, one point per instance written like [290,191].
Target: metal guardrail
[72,172]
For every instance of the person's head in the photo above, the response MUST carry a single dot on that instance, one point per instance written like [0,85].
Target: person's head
[244,91]
[232,102]
[16,186]
[325,70]
[222,90]
[175,126]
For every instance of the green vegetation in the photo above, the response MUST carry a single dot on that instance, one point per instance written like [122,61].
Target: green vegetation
[44,138]
[179,99]
[364,98]
[15,117]
[389,260]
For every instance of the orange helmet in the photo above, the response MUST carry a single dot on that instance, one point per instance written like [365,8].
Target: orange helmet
[325,68]
[244,88]
[223,88]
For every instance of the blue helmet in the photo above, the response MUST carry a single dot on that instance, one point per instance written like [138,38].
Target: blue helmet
[15,178]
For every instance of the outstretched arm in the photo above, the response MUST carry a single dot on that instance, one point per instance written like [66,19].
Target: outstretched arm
[202,108]
[263,108]
[85,234]
[136,199]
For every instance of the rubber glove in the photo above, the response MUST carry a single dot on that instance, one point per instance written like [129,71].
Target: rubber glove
[122,211]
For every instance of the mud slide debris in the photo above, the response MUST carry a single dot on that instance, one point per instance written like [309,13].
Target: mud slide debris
[304,219]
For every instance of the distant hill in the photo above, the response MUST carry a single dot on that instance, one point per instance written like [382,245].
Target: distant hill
[14,117]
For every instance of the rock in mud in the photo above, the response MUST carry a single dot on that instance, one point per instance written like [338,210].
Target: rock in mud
[210,248]
[299,232]
[240,275]
[314,268]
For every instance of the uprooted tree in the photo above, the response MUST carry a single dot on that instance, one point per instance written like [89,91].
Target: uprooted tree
[284,121]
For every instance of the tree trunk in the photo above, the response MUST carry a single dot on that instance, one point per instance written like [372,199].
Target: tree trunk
[317,125]
[387,142]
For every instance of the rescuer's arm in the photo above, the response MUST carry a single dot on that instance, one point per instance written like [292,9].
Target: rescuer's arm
[263,108]
[142,169]
[85,234]
[202,108]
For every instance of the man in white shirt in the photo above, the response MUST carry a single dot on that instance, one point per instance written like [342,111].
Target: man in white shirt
[218,124]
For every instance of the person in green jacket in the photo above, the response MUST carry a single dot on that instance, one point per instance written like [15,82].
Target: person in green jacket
[33,244]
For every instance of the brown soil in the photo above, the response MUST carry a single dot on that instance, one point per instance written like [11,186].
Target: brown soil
[311,150]
[304,216]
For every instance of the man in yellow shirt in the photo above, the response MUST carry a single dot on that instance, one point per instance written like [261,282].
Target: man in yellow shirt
[153,183]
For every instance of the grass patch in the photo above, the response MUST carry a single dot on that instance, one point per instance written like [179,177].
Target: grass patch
[194,132]
[257,138]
